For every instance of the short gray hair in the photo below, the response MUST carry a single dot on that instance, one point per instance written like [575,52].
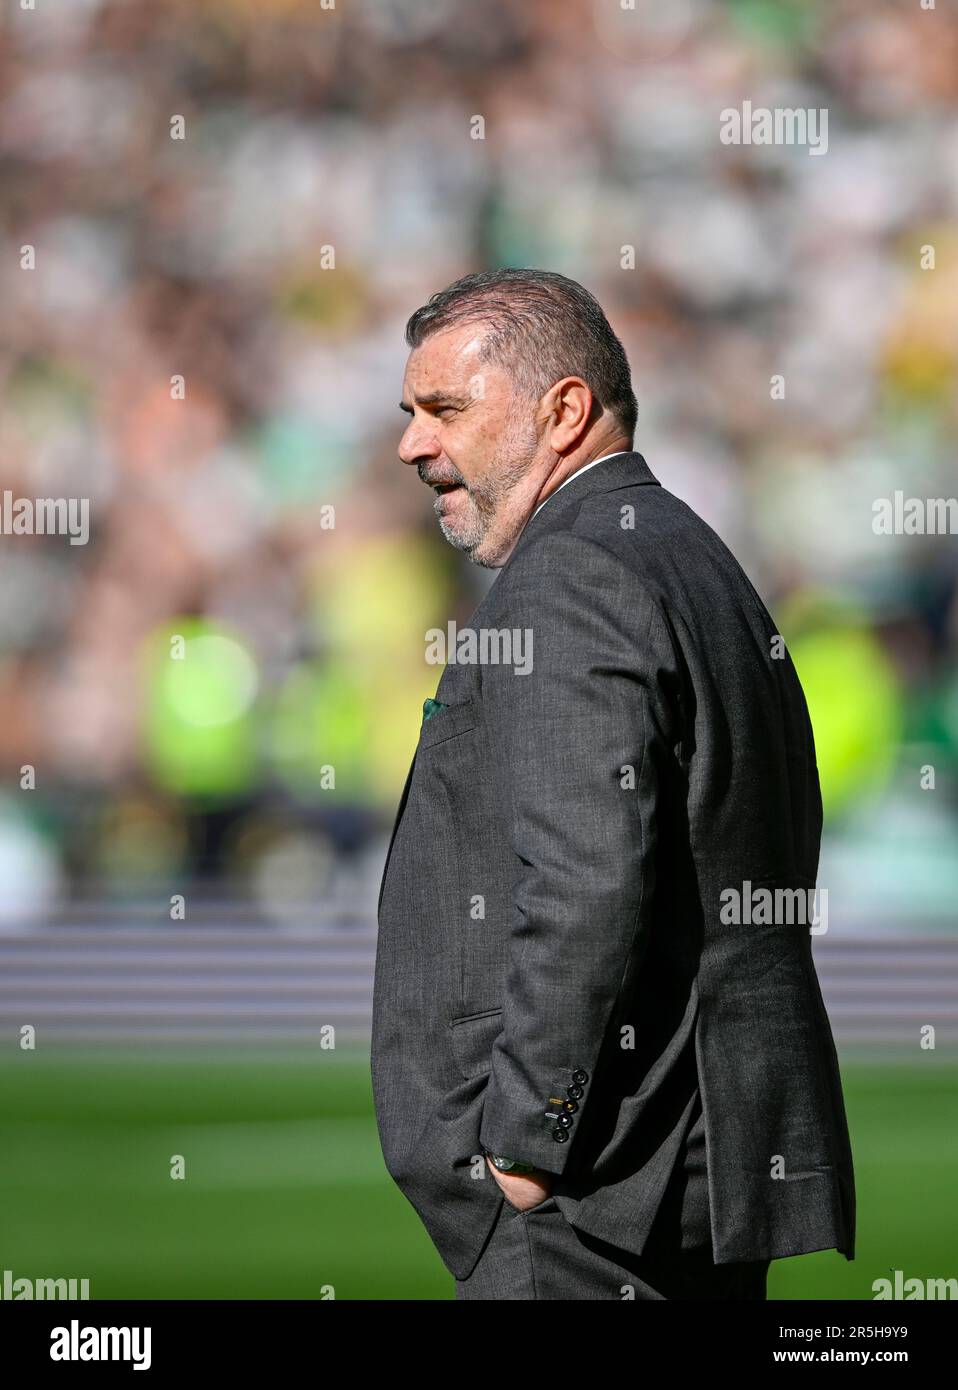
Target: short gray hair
[543,327]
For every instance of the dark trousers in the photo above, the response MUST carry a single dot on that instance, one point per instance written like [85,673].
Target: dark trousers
[537,1255]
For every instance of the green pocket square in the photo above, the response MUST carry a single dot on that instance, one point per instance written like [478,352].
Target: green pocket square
[431,707]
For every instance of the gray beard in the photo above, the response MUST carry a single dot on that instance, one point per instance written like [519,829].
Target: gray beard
[490,498]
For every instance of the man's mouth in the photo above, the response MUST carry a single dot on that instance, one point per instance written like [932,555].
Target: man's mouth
[442,488]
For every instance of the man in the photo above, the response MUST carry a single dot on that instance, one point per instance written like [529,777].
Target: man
[591,1079]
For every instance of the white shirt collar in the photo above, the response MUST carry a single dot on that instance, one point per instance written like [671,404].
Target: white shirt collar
[584,469]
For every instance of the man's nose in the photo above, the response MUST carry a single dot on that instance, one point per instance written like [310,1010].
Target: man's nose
[418,442]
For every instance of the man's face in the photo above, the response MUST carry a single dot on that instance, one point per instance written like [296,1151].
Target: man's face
[474,439]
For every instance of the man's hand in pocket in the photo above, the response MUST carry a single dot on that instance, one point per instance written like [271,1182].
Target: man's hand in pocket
[523,1190]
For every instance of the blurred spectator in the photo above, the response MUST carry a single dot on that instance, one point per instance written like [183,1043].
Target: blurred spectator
[326,184]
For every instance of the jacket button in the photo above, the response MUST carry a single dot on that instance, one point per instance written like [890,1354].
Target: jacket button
[569,1106]
[560,1135]
[574,1092]
[580,1077]
[564,1121]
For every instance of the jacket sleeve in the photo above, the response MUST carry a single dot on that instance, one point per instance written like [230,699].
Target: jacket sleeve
[577,745]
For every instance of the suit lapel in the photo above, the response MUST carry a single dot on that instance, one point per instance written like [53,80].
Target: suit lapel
[399,814]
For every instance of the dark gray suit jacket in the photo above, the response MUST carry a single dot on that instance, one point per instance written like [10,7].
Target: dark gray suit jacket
[554,980]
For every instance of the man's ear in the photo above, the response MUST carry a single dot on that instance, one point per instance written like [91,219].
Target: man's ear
[569,404]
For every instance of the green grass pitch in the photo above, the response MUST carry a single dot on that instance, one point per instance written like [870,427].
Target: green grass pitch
[286,1196]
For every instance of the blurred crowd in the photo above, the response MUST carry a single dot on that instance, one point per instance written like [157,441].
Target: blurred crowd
[233,209]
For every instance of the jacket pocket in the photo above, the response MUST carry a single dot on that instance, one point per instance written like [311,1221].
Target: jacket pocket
[448,723]
[472,1040]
